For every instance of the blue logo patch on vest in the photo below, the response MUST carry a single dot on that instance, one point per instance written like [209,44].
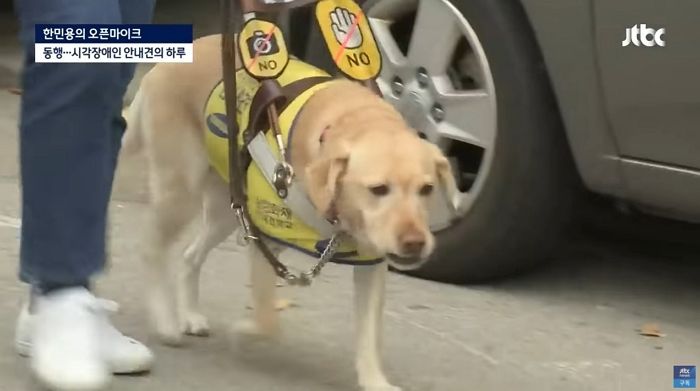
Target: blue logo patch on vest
[216,123]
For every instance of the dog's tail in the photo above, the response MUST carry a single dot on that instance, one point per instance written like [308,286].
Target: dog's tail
[132,141]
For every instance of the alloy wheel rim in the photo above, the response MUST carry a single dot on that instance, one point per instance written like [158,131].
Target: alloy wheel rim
[435,72]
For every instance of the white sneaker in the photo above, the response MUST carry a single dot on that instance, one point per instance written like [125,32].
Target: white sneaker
[72,343]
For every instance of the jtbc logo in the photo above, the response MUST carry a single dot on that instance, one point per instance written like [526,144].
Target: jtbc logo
[646,35]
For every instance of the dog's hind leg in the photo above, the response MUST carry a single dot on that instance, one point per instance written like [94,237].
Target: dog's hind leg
[169,218]
[178,168]
[218,222]
[369,307]
[171,212]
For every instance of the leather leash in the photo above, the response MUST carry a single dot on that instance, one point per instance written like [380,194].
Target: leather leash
[270,93]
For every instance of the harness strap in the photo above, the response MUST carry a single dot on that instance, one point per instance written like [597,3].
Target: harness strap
[297,87]
[296,199]
[283,97]
[269,93]
[260,152]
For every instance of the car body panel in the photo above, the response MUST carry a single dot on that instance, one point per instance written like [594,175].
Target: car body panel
[563,30]
[631,114]
[662,189]
[652,93]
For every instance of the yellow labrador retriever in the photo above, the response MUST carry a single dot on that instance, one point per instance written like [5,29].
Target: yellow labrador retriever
[352,152]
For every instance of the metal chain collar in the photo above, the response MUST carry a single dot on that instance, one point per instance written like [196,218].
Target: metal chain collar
[304,278]
[307,277]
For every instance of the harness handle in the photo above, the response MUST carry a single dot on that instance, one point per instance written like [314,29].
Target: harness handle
[269,94]
[228,58]
[281,97]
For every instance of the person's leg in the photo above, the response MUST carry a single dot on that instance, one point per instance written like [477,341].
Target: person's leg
[70,133]
[66,151]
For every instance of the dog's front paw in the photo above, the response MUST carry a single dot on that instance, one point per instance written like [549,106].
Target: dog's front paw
[169,334]
[194,323]
[165,324]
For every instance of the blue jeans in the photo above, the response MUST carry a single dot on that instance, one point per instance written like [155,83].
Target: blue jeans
[70,136]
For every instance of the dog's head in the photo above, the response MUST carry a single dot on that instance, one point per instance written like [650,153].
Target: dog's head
[378,182]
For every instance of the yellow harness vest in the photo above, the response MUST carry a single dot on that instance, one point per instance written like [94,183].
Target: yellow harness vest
[267,211]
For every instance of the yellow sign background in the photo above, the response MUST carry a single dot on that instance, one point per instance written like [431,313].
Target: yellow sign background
[343,22]
[263,49]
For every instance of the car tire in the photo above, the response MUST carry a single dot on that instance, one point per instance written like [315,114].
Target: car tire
[525,202]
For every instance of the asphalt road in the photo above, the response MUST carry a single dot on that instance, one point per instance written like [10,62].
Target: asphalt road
[572,325]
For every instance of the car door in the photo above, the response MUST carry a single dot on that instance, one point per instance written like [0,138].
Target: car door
[651,86]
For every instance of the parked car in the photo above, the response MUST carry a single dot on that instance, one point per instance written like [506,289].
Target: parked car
[533,100]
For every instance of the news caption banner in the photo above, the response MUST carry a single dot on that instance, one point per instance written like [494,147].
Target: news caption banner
[113,43]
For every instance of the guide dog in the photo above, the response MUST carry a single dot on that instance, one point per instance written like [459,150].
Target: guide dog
[353,153]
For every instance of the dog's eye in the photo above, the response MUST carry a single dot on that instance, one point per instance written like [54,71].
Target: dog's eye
[426,190]
[379,190]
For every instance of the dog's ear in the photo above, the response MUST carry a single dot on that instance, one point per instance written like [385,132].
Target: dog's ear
[323,175]
[444,173]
